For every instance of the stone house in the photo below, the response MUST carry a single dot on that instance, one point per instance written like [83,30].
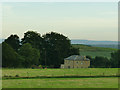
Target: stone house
[76,61]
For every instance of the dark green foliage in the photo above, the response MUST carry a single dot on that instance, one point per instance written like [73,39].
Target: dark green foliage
[115,59]
[74,51]
[91,61]
[36,41]
[13,41]
[57,47]
[49,50]
[100,62]
[9,57]
[30,55]
[16,75]
[33,38]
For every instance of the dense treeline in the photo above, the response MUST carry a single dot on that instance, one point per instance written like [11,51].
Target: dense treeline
[103,62]
[34,49]
[47,50]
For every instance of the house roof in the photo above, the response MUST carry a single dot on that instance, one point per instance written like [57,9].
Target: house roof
[76,57]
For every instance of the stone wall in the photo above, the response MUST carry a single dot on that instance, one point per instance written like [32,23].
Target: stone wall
[76,63]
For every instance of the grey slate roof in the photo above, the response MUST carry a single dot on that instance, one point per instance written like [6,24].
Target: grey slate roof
[76,57]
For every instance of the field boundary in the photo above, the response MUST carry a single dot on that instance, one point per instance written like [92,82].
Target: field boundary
[37,77]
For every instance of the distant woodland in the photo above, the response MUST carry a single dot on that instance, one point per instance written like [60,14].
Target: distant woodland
[48,50]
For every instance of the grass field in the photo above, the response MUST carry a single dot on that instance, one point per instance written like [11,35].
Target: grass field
[98,53]
[94,51]
[64,82]
[59,72]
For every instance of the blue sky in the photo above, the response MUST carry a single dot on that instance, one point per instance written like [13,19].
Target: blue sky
[77,20]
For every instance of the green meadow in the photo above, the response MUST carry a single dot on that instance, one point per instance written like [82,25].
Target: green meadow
[61,82]
[94,51]
[59,72]
[94,54]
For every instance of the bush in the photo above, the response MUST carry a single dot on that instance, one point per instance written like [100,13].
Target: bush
[16,75]
[40,66]
[35,67]
[5,75]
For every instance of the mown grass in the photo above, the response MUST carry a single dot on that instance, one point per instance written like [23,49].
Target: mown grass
[102,82]
[62,83]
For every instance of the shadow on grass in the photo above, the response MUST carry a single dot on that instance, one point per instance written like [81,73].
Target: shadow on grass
[40,77]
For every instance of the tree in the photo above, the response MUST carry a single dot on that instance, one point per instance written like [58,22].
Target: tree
[31,55]
[115,59]
[33,38]
[9,57]
[36,41]
[57,47]
[13,41]
[74,51]
[100,62]
[91,61]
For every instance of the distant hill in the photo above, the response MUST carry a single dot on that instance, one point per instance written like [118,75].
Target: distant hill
[92,42]
[106,44]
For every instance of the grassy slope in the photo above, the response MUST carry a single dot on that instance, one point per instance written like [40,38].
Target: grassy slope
[94,51]
[61,82]
[91,48]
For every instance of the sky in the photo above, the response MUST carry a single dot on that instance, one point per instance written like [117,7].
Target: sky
[76,20]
